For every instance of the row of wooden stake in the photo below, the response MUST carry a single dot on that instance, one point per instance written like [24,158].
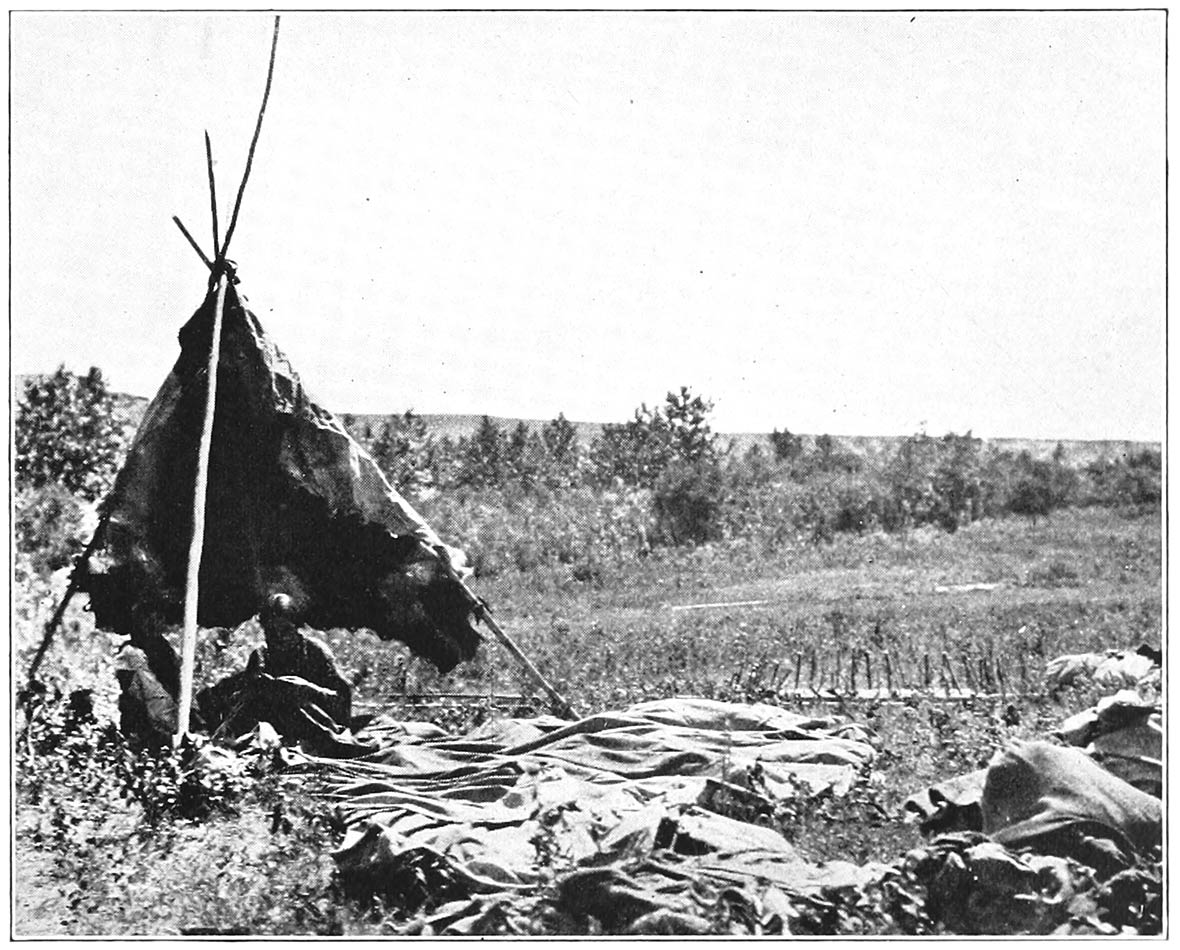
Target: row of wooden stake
[857,671]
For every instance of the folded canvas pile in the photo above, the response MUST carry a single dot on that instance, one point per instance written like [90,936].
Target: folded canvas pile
[633,811]
[1019,840]
[1108,670]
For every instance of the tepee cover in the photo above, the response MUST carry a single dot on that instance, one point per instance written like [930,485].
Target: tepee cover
[294,504]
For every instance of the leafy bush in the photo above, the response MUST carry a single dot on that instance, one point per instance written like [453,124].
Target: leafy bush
[402,449]
[563,453]
[50,527]
[576,533]
[191,782]
[687,503]
[1039,486]
[633,452]
[786,446]
[1129,480]
[67,435]
[483,456]
[113,832]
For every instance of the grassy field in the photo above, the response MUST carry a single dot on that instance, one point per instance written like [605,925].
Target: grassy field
[663,625]
[998,595]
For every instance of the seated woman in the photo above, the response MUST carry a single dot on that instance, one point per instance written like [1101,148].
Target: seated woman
[294,684]
[299,668]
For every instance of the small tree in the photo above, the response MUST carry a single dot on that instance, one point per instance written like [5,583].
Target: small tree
[687,502]
[828,456]
[909,476]
[957,484]
[562,452]
[444,462]
[523,454]
[636,451]
[48,525]
[825,451]
[639,451]
[1143,481]
[403,451]
[67,435]
[787,446]
[482,456]
[690,435]
[1032,487]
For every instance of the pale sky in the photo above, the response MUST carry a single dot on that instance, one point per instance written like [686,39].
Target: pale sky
[846,223]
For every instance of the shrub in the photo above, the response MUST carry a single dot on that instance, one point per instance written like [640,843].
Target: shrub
[633,452]
[576,532]
[1143,480]
[482,457]
[1035,490]
[403,451]
[909,476]
[117,843]
[787,447]
[524,457]
[49,526]
[563,453]
[956,481]
[1132,480]
[847,502]
[67,435]
[687,503]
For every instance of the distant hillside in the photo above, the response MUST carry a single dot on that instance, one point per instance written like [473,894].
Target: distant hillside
[455,426]
[130,410]
[1077,451]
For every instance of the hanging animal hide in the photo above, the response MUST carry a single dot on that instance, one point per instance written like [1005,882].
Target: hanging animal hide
[294,505]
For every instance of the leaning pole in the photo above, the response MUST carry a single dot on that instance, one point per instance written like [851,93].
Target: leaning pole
[188,650]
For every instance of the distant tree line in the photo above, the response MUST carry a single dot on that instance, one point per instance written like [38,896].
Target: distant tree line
[661,477]
[701,490]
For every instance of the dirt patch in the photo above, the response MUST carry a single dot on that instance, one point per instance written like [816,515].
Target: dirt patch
[38,906]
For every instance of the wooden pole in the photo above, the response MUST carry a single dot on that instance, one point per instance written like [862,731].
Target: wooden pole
[193,241]
[483,613]
[212,195]
[55,621]
[51,628]
[192,583]
[270,71]
[946,665]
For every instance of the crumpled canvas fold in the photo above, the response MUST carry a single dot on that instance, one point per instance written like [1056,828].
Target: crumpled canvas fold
[609,788]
